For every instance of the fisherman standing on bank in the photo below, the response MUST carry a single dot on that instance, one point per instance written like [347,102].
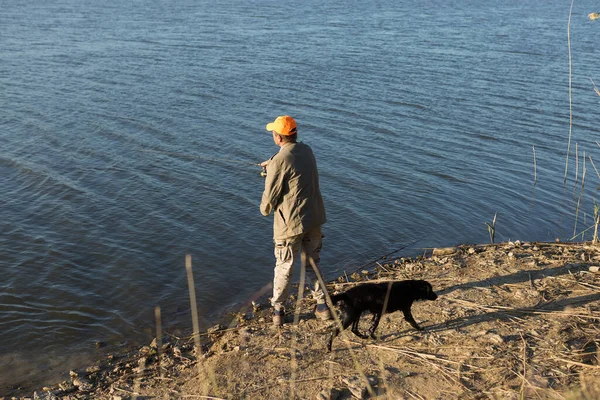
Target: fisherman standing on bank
[292,193]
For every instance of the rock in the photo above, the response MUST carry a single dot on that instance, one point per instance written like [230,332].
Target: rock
[245,333]
[358,391]
[357,386]
[44,396]
[373,380]
[328,394]
[176,351]
[82,384]
[67,387]
[207,354]
[92,370]
[214,329]
[495,338]
[444,251]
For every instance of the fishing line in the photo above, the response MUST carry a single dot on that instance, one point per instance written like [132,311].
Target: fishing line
[386,255]
[205,158]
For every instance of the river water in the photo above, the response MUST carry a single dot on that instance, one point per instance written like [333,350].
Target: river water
[128,130]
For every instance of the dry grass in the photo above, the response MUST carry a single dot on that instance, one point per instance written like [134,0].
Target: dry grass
[512,321]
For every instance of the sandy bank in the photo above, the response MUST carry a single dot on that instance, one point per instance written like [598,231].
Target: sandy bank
[512,320]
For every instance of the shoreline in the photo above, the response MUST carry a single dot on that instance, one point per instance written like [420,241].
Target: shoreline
[518,303]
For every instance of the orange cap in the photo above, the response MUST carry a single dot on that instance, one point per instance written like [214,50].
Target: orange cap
[283,125]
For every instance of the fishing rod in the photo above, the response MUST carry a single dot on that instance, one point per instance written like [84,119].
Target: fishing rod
[386,255]
[215,159]
[206,158]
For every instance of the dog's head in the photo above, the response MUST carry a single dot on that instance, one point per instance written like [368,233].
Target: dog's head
[426,291]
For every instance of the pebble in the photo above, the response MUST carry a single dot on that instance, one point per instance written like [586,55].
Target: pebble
[358,387]
[82,383]
[44,396]
[214,329]
[444,251]
[328,394]
[66,386]
[495,338]
[92,370]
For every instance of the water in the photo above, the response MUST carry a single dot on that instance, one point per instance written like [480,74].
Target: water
[423,119]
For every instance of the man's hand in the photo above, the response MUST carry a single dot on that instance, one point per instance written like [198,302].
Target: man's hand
[264,164]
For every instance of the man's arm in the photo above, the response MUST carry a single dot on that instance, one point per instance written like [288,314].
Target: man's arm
[273,187]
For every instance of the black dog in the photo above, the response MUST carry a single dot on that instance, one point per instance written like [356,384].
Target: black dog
[371,296]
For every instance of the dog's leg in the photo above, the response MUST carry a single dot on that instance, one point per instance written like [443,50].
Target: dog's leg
[335,332]
[408,317]
[374,324]
[346,321]
[355,327]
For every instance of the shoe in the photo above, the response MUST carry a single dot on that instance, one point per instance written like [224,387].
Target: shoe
[322,312]
[278,317]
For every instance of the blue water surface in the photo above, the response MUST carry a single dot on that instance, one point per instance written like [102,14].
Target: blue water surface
[129,130]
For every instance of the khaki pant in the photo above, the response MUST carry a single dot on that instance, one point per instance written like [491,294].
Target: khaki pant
[286,252]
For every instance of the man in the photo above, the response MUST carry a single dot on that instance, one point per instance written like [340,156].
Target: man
[292,193]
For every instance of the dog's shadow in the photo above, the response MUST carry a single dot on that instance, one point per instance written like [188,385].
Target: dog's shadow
[502,315]
[528,275]
[505,314]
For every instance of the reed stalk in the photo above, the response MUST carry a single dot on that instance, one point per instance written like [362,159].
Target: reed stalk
[570,91]
[158,338]
[338,323]
[595,169]
[385,303]
[583,173]
[534,167]
[596,222]
[194,308]
[576,166]
[492,228]
[522,392]
[293,360]
[595,88]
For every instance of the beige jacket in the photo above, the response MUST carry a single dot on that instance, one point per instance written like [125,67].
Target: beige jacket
[292,191]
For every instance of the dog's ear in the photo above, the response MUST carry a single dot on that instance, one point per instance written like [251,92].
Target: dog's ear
[425,289]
